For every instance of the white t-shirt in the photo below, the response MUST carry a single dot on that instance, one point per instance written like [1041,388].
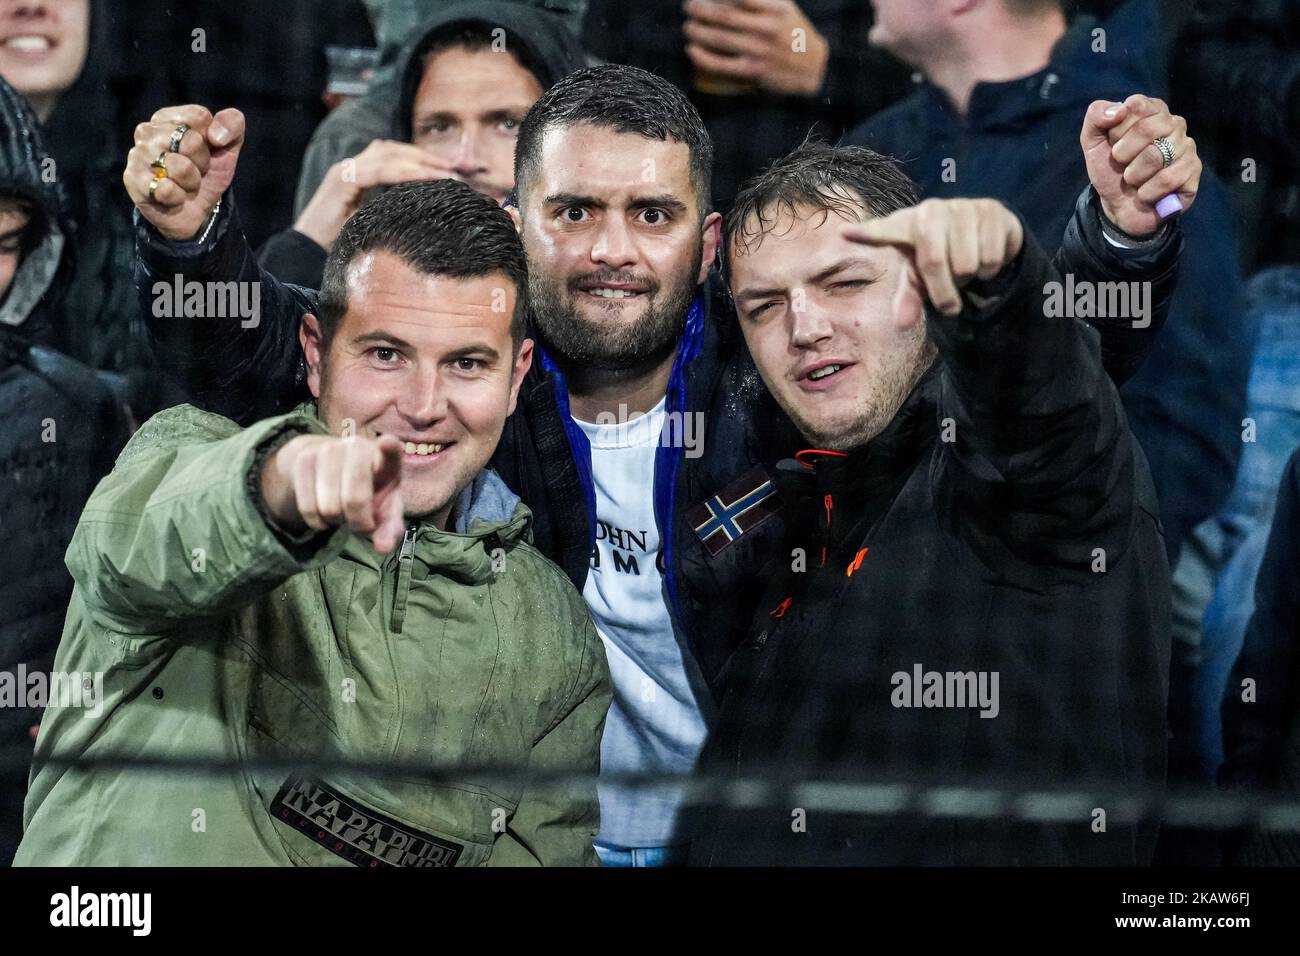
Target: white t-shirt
[655,723]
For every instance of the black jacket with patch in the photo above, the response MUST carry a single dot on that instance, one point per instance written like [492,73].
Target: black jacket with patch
[967,538]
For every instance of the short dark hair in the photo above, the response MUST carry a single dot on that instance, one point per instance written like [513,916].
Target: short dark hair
[625,99]
[847,180]
[440,228]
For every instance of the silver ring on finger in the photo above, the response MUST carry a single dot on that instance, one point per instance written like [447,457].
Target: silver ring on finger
[178,134]
[1166,150]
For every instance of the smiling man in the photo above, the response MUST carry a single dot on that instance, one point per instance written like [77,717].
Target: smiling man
[345,580]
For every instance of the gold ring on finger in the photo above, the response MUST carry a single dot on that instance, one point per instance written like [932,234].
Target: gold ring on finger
[178,134]
[153,187]
[159,166]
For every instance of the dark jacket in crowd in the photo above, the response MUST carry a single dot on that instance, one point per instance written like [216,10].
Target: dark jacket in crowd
[100,324]
[752,129]
[539,38]
[1002,526]
[1261,723]
[1019,143]
[63,427]
[1236,76]
[712,562]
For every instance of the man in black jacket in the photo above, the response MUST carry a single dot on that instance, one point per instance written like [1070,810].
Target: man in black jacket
[612,168]
[975,586]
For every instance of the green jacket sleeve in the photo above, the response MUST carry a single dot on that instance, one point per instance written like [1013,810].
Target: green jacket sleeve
[174,532]
[555,825]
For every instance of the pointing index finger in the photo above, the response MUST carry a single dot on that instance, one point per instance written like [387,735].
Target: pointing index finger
[888,231]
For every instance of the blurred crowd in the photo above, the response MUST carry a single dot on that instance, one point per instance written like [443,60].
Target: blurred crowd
[343,99]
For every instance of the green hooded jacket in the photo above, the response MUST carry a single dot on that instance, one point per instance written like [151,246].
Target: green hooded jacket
[216,635]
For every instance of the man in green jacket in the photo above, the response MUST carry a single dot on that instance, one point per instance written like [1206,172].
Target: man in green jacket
[347,580]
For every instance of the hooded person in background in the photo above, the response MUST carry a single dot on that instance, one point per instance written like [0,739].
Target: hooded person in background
[62,430]
[55,54]
[451,110]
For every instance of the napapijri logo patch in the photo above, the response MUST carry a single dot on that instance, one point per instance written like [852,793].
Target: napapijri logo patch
[360,835]
[740,507]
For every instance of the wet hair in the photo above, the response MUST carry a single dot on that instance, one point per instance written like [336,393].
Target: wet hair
[624,99]
[846,180]
[438,228]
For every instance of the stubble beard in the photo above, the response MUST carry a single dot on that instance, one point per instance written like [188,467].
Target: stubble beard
[574,340]
[885,396]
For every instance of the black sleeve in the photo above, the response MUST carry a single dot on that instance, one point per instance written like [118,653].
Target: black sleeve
[1088,256]
[244,368]
[292,257]
[1038,465]
[1256,732]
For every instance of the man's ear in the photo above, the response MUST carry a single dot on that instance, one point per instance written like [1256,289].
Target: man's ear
[313,347]
[711,236]
[523,362]
[513,213]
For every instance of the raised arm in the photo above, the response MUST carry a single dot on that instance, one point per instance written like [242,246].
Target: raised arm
[228,327]
[199,517]
[1035,430]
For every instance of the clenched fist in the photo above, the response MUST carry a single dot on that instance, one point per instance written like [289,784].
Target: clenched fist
[320,481]
[198,173]
[1127,168]
[947,243]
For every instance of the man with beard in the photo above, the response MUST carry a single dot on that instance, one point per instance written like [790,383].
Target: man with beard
[640,370]
[991,605]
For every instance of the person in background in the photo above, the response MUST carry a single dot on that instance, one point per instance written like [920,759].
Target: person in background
[467,78]
[1261,702]
[55,53]
[764,74]
[1236,70]
[539,35]
[62,429]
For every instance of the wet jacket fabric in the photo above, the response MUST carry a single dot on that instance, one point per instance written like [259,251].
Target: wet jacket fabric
[1002,526]
[63,427]
[712,583]
[217,636]
[1019,142]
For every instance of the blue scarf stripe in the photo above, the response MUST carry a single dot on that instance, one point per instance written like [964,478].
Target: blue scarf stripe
[668,457]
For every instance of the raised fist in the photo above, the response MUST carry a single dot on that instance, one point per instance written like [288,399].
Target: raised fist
[198,172]
[1127,168]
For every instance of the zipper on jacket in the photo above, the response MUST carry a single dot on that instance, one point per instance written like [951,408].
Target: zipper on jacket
[405,560]
[829,504]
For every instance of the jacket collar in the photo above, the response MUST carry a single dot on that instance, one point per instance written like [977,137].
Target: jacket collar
[487,516]
[1075,74]
[873,468]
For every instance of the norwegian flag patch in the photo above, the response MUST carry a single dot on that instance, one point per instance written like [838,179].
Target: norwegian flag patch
[740,507]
